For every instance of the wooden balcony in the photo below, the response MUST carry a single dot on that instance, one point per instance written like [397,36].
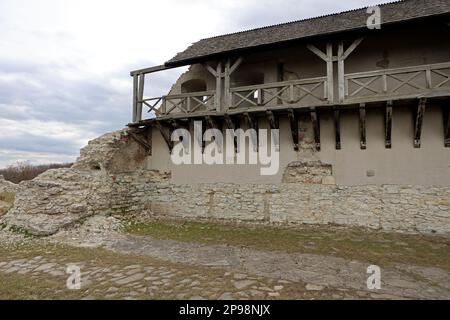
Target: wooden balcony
[429,80]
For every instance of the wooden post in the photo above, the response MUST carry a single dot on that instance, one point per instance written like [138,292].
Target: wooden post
[218,99]
[330,76]
[135,97]
[316,127]
[227,92]
[337,128]
[388,125]
[229,69]
[341,72]
[280,77]
[362,125]
[140,97]
[418,122]
[293,121]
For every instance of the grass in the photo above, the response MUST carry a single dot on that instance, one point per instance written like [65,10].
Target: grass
[352,243]
[8,198]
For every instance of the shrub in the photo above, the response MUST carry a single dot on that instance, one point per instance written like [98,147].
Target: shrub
[25,171]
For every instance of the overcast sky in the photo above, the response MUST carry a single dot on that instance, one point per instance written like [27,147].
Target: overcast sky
[64,64]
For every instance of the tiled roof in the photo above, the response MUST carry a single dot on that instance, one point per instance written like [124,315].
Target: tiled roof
[394,12]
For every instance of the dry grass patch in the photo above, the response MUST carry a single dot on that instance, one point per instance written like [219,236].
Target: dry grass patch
[352,243]
[6,202]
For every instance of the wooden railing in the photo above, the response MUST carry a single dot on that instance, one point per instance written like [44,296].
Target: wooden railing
[359,87]
[184,103]
[298,92]
[391,83]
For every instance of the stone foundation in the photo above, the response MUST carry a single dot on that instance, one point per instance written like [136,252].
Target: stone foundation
[394,208]
[109,184]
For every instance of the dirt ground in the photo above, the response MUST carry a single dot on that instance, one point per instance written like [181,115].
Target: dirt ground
[148,259]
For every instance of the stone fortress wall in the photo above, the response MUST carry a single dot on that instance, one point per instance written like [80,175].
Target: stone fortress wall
[110,177]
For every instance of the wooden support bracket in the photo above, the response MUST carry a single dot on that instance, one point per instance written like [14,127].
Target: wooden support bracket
[337,128]
[274,125]
[273,121]
[446,115]
[293,121]
[146,141]
[230,124]
[252,123]
[166,133]
[316,127]
[418,120]
[362,126]
[388,125]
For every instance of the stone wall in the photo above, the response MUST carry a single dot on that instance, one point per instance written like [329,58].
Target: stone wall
[105,180]
[411,209]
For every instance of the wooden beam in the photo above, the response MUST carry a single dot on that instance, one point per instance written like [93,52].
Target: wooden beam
[166,135]
[418,122]
[280,78]
[446,115]
[140,97]
[252,123]
[210,69]
[330,76]
[388,125]
[230,124]
[341,72]
[212,124]
[337,128]
[317,52]
[352,47]
[316,127]
[218,97]
[328,58]
[273,121]
[150,70]
[274,125]
[236,64]
[362,126]
[227,80]
[293,121]
[135,97]
[147,145]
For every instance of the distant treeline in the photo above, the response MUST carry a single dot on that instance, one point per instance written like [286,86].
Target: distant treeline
[25,171]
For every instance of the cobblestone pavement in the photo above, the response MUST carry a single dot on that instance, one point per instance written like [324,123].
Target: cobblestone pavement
[143,267]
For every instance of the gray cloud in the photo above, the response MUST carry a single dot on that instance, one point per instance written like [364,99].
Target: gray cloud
[50,107]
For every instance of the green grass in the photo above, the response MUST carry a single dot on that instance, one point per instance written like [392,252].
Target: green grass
[8,198]
[353,243]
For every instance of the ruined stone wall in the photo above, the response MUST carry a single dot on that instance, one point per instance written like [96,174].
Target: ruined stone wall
[62,197]
[412,209]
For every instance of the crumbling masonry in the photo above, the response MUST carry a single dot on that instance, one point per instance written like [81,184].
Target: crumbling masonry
[110,178]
